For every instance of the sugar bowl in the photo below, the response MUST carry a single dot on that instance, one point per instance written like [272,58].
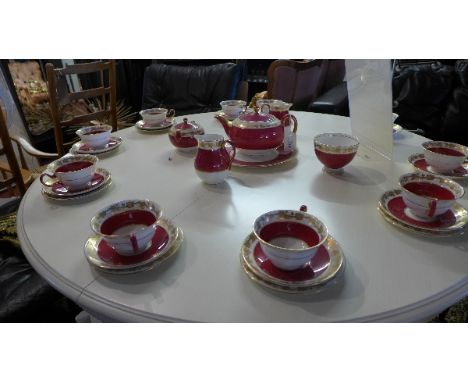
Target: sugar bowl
[182,135]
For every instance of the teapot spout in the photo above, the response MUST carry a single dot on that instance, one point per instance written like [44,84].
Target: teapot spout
[225,122]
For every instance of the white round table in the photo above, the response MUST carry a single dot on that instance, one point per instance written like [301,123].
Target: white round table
[391,275]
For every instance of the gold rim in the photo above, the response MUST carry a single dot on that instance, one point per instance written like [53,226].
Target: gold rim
[461,215]
[335,268]
[336,149]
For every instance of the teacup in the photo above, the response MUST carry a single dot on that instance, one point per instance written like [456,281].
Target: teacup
[289,238]
[156,115]
[74,171]
[233,107]
[335,150]
[428,196]
[96,136]
[128,226]
[444,156]
[394,117]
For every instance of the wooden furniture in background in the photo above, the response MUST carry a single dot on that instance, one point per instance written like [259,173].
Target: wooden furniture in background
[12,173]
[297,82]
[101,101]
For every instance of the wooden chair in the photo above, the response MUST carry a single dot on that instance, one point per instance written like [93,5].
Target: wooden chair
[12,173]
[101,100]
[297,82]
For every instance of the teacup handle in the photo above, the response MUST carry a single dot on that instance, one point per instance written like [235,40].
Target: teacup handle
[134,242]
[286,121]
[432,208]
[170,113]
[44,175]
[231,153]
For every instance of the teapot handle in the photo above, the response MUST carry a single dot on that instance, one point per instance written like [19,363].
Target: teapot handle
[286,120]
[231,153]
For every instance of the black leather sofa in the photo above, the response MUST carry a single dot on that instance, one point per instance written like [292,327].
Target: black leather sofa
[190,89]
[24,295]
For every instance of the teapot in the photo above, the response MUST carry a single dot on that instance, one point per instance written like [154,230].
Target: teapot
[254,131]
[182,135]
[280,110]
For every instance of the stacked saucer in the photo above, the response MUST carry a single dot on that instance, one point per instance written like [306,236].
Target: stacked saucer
[149,127]
[131,236]
[291,251]
[74,177]
[425,204]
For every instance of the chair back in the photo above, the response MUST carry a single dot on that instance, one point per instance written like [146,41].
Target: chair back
[89,105]
[297,82]
[15,175]
[190,89]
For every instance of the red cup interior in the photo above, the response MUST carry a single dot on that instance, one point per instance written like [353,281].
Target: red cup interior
[430,190]
[446,151]
[74,166]
[122,219]
[290,229]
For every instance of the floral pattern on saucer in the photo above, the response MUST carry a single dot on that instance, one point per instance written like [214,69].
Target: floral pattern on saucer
[420,164]
[146,127]
[279,160]
[166,241]
[394,210]
[82,148]
[322,271]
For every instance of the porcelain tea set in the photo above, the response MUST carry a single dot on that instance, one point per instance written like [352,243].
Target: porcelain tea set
[157,119]
[426,202]
[95,140]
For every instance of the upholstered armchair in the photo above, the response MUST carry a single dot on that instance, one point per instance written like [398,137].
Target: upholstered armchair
[191,89]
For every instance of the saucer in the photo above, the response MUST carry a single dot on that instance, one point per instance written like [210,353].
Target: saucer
[146,127]
[165,242]
[58,189]
[322,271]
[82,148]
[419,163]
[394,210]
[75,195]
[279,160]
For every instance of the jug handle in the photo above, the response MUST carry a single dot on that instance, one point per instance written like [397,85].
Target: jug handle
[287,119]
[233,151]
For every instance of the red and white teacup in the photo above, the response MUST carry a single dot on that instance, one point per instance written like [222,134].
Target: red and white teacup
[335,150]
[290,238]
[96,136]
[74,171]
[156,115]
[444,157]
[128,226]
[428,196]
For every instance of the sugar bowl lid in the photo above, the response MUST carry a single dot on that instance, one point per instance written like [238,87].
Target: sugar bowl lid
[186,128]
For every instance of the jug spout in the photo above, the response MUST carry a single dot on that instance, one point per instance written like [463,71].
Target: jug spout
[225,122]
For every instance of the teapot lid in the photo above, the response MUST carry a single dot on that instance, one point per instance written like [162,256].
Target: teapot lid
[254,119]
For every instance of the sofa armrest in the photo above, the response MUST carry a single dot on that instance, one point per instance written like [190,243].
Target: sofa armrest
[334,101]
